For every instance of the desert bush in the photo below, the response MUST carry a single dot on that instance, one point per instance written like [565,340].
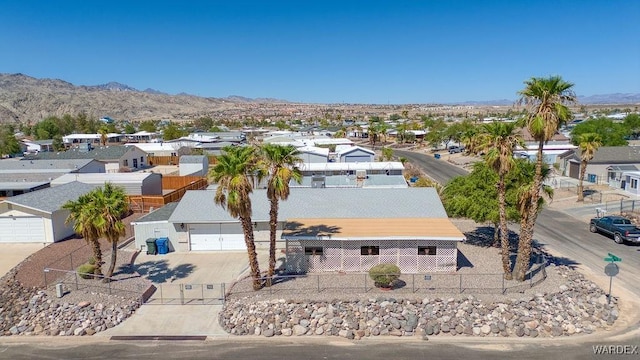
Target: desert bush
[91,261]
[86,270]
[384,275]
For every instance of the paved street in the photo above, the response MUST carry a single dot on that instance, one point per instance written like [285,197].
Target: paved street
[326,349]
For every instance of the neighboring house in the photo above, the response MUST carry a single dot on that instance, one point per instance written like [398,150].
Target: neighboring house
[75,139]
[194,165]
[135,183]
[22,176]
[36,146]
[115,157]
[161,148]
[551,151]
[142,136]
[355,218]
[350,154]
[607,166]
[629,182]
[349,174]
[313,154]
[38,217]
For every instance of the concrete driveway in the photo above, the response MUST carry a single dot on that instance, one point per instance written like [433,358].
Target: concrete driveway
[167,272]
[11,254]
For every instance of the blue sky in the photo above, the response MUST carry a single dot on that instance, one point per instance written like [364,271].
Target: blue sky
[327,51]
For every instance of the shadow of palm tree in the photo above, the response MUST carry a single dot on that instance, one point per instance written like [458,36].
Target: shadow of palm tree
[295,228]
[159,271]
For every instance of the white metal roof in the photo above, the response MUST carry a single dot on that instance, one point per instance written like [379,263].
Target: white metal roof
[151,147]
[101,178]
[337,166]
[88,136]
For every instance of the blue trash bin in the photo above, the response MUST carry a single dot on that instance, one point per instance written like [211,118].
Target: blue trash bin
[437,156]
[163,245]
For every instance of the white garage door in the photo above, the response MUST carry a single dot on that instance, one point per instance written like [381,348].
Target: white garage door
[21,229]
[208,237]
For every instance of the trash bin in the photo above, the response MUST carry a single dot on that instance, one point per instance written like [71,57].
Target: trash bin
[163,245]
[151,246]
[437,156]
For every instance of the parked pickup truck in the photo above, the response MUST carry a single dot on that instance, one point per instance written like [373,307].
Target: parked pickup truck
[621,228]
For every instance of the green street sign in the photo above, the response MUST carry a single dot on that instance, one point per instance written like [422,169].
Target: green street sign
[612,258]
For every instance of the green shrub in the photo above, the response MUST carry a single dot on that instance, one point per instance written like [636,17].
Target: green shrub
[91,261]
[86,271]
[384,275]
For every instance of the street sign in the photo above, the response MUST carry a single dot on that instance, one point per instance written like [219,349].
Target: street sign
[611,269]
[612,258]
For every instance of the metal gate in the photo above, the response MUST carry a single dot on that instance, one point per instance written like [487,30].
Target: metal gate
[188,294]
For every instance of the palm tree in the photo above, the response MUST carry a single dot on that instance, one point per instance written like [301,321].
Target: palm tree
[498,140]
[233,173]
[111,205]
[589,144]
[103,135]
[547,100]
[281,164]
[82,213]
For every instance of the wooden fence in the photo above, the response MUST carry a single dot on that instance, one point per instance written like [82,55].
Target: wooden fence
[179,185]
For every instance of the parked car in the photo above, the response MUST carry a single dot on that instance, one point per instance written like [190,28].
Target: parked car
[621,228]
[455,149]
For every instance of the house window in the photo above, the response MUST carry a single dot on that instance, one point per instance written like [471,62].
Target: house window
[174,154]
[141,160]
[634,183]
[126,162]
[370,250]
[426,250]
[313,250]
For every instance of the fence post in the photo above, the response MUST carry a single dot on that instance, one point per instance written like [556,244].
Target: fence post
[365,282]
[45,277]
[75,275]
[224,293]
[318,280]
[413,283]
[181,294]
[202,290]
[620,206]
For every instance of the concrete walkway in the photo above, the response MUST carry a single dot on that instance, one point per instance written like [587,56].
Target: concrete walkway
[170,270]
[12,254]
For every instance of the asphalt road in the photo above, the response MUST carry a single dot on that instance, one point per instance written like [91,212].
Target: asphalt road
[559,232]
[325,349]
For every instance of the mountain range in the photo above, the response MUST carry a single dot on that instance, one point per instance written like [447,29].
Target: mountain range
[27,99]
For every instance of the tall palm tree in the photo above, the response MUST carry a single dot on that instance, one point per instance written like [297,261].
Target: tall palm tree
[589,144]
[498,141]
[546,100]
[233,173]
[82,213]
[111,205]
[281,163]
[103,135]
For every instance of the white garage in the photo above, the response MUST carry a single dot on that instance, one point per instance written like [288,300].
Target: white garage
[38,216]
[22,229]
[221,236]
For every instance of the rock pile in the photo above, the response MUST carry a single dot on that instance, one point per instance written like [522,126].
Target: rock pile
[578,307]
[29,311]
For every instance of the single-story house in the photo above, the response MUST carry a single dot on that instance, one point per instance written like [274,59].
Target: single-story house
[115,157]
[38,216]
[416,226]
[74,139]
[22,176]
[137,183]
[161,148]
[347,153]
[35,146]
[194,165]
[607,166]
[142,136]
[629,182]
[352,174]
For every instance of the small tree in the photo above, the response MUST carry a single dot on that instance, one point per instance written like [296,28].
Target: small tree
[384,275]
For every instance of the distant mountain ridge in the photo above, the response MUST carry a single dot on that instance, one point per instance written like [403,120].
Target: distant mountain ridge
[27,99]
